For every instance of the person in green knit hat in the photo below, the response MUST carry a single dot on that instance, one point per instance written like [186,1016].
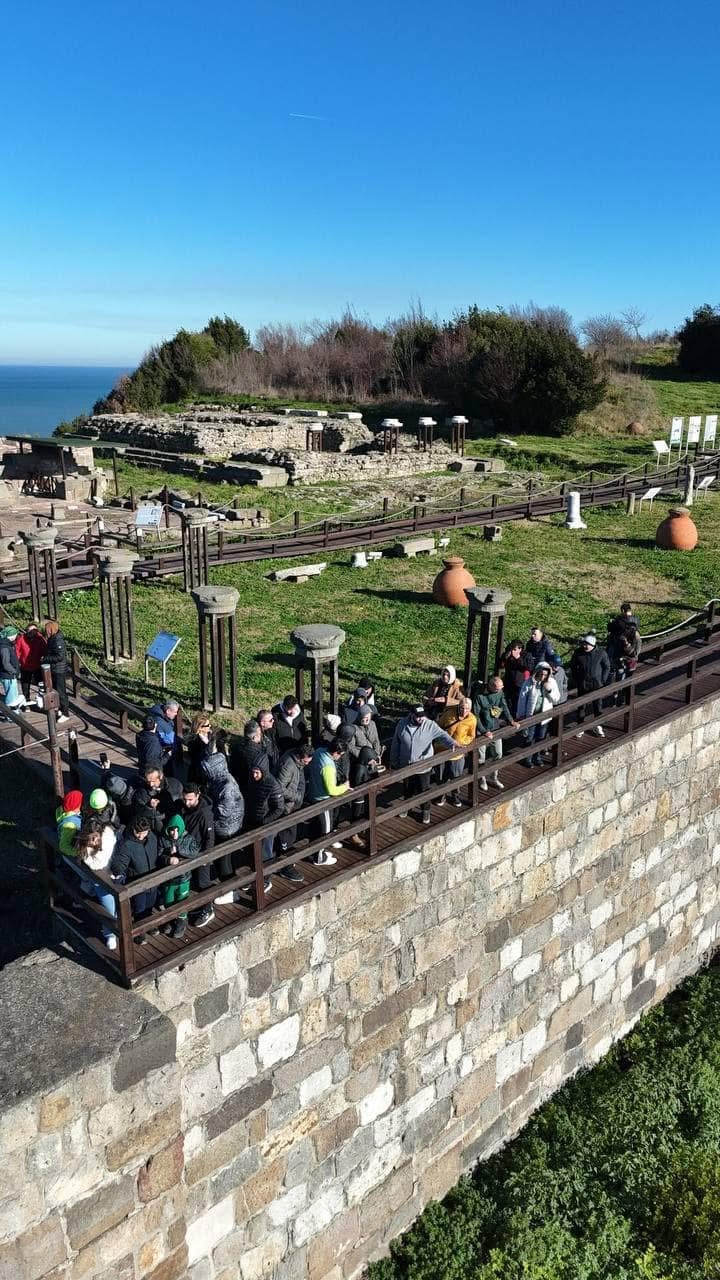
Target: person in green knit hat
[175,847]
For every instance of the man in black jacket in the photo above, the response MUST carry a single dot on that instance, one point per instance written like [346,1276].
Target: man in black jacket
[291,780]
[56,658]
[136,856]
[268,740]
[160,796]
[590,670]
[265,804]
[149,747]
[290,726]
[246,752]
[197,815]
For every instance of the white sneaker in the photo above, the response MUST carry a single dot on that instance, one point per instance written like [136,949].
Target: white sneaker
[497,783]
[336,844]
[599,731]
[225,898]
[581,734]
[483,783]
[111,943]
[325,859]
[62,719]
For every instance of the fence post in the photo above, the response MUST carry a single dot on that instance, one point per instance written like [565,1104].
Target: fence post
[690,687]
[127,944]
[51,702]
[372,817]
[710,620]
[259,875]
[475,781]
[560,731]
[75,671]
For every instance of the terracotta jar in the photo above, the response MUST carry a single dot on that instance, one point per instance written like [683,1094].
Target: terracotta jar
[677,531]
[449,586]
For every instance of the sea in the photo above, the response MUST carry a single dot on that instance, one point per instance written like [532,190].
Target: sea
[35,398]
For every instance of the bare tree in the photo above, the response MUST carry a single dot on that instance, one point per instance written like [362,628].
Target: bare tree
[634,320]
[607,335]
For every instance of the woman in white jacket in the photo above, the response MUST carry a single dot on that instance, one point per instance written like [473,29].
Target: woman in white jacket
[538,693]
[93,848]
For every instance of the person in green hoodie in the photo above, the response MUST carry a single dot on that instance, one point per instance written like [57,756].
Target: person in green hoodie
[492,713]
[176,845]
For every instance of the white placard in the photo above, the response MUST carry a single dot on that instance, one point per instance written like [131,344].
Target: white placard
[676,431]
[710,429]
[693,431]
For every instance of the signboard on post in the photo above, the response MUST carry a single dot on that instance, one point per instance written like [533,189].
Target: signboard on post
[710,429]
[161,649]
[693,431]
[676,432]
[148,515]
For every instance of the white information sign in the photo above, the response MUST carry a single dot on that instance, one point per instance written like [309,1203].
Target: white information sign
[693,431]
[710,429]
[676,431]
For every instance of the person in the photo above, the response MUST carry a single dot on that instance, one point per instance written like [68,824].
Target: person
[134,856]
[515,671]
[93,848]
[149,748]
[329,731]
[68,821]
[198,744]
[10,669]
[122,793]
[30,646]
[413,740]
[492,711]
[539,649]
[197,815]
[367,689]
[445,692]
[538,693]
[228,805]
[165,716]
[56,658]
[364,747]
[292,781]
[246,752]
[176,846]
[268,741]
[623,642]
[159,794]
[461,723]
[354,705]
[323,783]
[590,670]
[290,726]
[265,804]
[101,806]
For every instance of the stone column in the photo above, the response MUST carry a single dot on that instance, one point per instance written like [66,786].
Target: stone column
[218,645]
[391,434]
[458,426]
[40,545]
[486,604]
[573,519]
[316,648]
[425,430]
[195,521]
[116,565]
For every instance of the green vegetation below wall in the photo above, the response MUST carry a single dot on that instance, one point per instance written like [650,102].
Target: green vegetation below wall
[618,1176]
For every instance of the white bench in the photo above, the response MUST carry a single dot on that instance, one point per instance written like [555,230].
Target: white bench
[411,547]
[298,573]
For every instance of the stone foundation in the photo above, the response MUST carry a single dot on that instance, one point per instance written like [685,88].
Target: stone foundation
[284,1105]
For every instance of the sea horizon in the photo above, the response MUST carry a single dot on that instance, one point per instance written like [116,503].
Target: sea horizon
[35,398]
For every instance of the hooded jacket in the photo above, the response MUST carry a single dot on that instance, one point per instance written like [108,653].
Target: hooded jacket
[265,801]
[462,730]
[244,756]
[532,692]
[150,752]
[67,826]
[56,654]
[165,728]
[491,709]
[134,858]
[367,737]
[199,823]
[323,780]
[9,661]
[30,648]
[288,730]
[413,742]
[291,779]
[225,796]
[590,669]
[541,651]
[168,795]
[184,847]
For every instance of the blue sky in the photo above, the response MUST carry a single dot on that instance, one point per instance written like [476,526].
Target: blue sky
[154,171]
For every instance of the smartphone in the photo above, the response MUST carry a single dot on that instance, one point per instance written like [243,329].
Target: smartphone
[104,760]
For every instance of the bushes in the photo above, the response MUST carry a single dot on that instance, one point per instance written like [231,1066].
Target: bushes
[699,341]
[618,1176]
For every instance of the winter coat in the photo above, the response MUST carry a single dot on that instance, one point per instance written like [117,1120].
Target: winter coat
[450,694]
[561,680]
[185,847]
[463,730]
[199,823]
[67,827]
[590,670]
[288,732]
[197,751]
[149,749]
[109,816]
[623,642]
[100,861]
[528,696]
[323,780]
[413,742]
[492,711]
[515,672]
[269,745]
[166,732]
[291,779]
[168,797]
[123,795]
[225,796]
[56,654]
[265,802]
[30,648]
[134,858]
[9,661]
[541,651]
[244,756]
[367,737]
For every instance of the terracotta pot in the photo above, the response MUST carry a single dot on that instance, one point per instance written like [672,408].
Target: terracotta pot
[449,586]
[677,531]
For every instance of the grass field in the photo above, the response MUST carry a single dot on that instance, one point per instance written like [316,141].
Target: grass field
[565,581]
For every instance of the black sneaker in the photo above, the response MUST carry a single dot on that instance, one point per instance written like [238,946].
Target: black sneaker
[179,928]
[426,819]
[141,940]
[440,801]
[153,933]
[203,917]
[168,928]
[456,802]
[292,874]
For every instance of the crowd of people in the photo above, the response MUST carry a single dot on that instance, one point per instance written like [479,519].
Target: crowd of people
[195,791]
[22,656]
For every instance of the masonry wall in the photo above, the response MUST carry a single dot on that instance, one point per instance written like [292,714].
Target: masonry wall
[328,1072]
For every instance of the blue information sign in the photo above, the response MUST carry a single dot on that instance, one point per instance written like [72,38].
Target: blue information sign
[161,649]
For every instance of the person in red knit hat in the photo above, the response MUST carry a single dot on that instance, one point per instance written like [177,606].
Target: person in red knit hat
[68,817]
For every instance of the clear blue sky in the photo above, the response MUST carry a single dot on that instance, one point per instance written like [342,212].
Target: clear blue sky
[153,171]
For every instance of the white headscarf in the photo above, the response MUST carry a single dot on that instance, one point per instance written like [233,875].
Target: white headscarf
[451,672]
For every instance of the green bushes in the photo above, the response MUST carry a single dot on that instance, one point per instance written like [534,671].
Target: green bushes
[699,341]
[618,1176]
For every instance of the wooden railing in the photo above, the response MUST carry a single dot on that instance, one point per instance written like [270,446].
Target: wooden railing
[679,678]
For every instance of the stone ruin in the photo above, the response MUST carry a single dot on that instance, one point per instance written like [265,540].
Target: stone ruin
[44,470]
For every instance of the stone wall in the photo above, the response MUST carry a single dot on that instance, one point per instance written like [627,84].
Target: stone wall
[344,1061]
[220,432]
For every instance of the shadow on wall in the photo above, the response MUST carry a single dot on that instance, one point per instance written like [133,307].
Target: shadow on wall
[24,916]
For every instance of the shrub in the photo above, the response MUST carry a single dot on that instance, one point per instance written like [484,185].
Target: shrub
[699,341]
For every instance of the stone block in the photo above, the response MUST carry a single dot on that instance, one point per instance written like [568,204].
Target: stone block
[259,979]
[207,1230]
[172,1268]
[318,1215]
[279,1042]
[211,1006]
[237,1067]
[153,1048]
[236,1107]
[34,1253]
[161,1171]
[137,1142]
[96,1214]
[332,1137]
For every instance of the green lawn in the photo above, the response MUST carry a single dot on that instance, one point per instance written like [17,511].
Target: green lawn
[565,581]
